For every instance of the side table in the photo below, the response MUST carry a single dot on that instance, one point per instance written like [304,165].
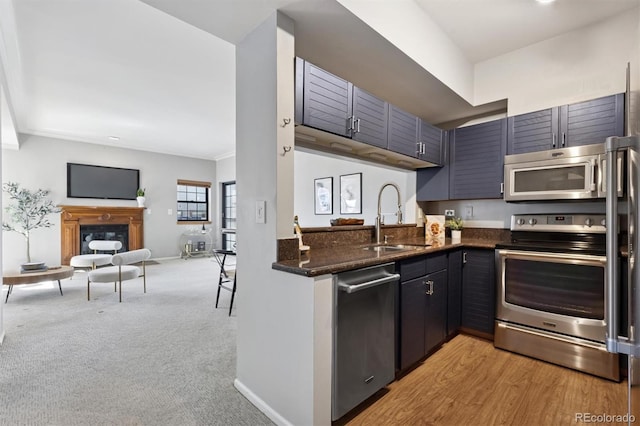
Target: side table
[55,273]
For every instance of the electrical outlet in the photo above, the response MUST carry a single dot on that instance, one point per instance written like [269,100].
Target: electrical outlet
[468,211]
[449,213]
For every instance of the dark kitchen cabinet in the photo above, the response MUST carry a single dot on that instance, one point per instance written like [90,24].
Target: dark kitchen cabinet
[431,142]
[454,291]
[477,160]
[478,290]
[435,315]
[403,132]
[423,307]
[412,136]
[327,102]
[577,124]
[473,165]
[323,100]
[370,117]
[432,183]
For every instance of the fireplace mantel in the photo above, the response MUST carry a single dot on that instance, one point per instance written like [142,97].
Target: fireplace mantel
[71,217]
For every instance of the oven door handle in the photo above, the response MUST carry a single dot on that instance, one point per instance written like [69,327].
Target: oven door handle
[554,257]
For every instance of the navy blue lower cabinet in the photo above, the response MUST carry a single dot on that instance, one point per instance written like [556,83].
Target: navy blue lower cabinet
[412,308]
[478,290]
[454,291]
[423,307]
[435,313]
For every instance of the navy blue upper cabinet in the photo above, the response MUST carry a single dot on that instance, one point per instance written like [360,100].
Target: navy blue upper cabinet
[477,160]
[432,183]
[590,122]
[403,132]
[431,142]
[582,123]
[370,117]
[534,131]
[324,101]
[412,136]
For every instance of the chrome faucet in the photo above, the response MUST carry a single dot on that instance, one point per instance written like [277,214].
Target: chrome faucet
[379,216]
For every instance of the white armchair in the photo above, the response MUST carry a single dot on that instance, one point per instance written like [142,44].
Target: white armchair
[122,270]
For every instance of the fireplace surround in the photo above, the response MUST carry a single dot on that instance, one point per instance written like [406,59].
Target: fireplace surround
[72,217]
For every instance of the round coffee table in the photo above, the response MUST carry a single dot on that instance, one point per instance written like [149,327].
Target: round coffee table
[55,273]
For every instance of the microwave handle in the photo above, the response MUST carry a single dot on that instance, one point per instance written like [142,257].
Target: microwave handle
[594,175]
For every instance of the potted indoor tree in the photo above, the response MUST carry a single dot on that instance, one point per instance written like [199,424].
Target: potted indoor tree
[28,210]
[456,224]
[140,197]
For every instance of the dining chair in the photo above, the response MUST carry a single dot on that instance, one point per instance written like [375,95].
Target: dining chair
[226,277]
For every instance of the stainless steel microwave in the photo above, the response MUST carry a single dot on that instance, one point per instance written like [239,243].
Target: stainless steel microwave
[560,174]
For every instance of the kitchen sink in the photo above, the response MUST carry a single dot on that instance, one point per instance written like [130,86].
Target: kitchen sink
[392,247]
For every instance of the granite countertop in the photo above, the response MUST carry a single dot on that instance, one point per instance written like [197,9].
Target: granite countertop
[338,259]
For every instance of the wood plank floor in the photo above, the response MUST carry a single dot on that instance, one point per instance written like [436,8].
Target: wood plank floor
[468,381]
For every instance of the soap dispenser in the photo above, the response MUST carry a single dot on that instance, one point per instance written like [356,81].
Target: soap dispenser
[298,232]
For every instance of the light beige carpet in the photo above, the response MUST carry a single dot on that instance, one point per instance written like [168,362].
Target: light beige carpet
[166,357]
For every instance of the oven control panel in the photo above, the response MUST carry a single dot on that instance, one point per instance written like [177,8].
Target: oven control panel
[584,223]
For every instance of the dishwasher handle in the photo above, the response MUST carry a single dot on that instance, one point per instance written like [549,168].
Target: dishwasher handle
[368,284]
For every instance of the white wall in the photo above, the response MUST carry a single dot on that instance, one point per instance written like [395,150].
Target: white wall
[408,27]
[310,165]
[41,163]
[576,66]
[283,354]
[1,202]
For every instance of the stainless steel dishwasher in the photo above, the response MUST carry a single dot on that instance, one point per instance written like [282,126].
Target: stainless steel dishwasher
[363,335]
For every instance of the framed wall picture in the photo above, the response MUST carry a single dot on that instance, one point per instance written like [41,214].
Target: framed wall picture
[351,193]
[323,195]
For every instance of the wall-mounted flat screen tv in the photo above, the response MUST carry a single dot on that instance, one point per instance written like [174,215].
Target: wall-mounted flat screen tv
[87,181]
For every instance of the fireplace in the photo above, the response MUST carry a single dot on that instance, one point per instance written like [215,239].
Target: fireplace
[89,233]
[112,222]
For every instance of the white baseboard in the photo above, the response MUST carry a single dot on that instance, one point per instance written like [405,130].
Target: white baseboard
[273,415]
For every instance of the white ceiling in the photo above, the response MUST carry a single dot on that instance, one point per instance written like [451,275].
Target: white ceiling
[87,70]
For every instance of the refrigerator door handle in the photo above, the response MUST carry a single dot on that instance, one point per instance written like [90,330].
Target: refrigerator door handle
[613,272]
[614,342]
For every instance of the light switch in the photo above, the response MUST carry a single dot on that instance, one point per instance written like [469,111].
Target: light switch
[169,212]
[261,214]
[148,211]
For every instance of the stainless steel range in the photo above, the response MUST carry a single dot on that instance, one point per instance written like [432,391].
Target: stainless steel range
[551,292]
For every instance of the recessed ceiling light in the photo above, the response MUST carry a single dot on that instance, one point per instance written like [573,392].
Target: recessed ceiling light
[114,138]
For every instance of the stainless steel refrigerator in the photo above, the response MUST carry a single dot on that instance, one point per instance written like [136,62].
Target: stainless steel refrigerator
[623,304]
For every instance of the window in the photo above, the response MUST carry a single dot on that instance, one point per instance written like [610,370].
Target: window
[228,215]
[193,201]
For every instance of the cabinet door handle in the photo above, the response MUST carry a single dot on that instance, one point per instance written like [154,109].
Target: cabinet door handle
[464,257]
[553,143]
[502,187]
[430,289]
[418,148]
[564,138]
[351,123]
[358,125]
[423,148]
